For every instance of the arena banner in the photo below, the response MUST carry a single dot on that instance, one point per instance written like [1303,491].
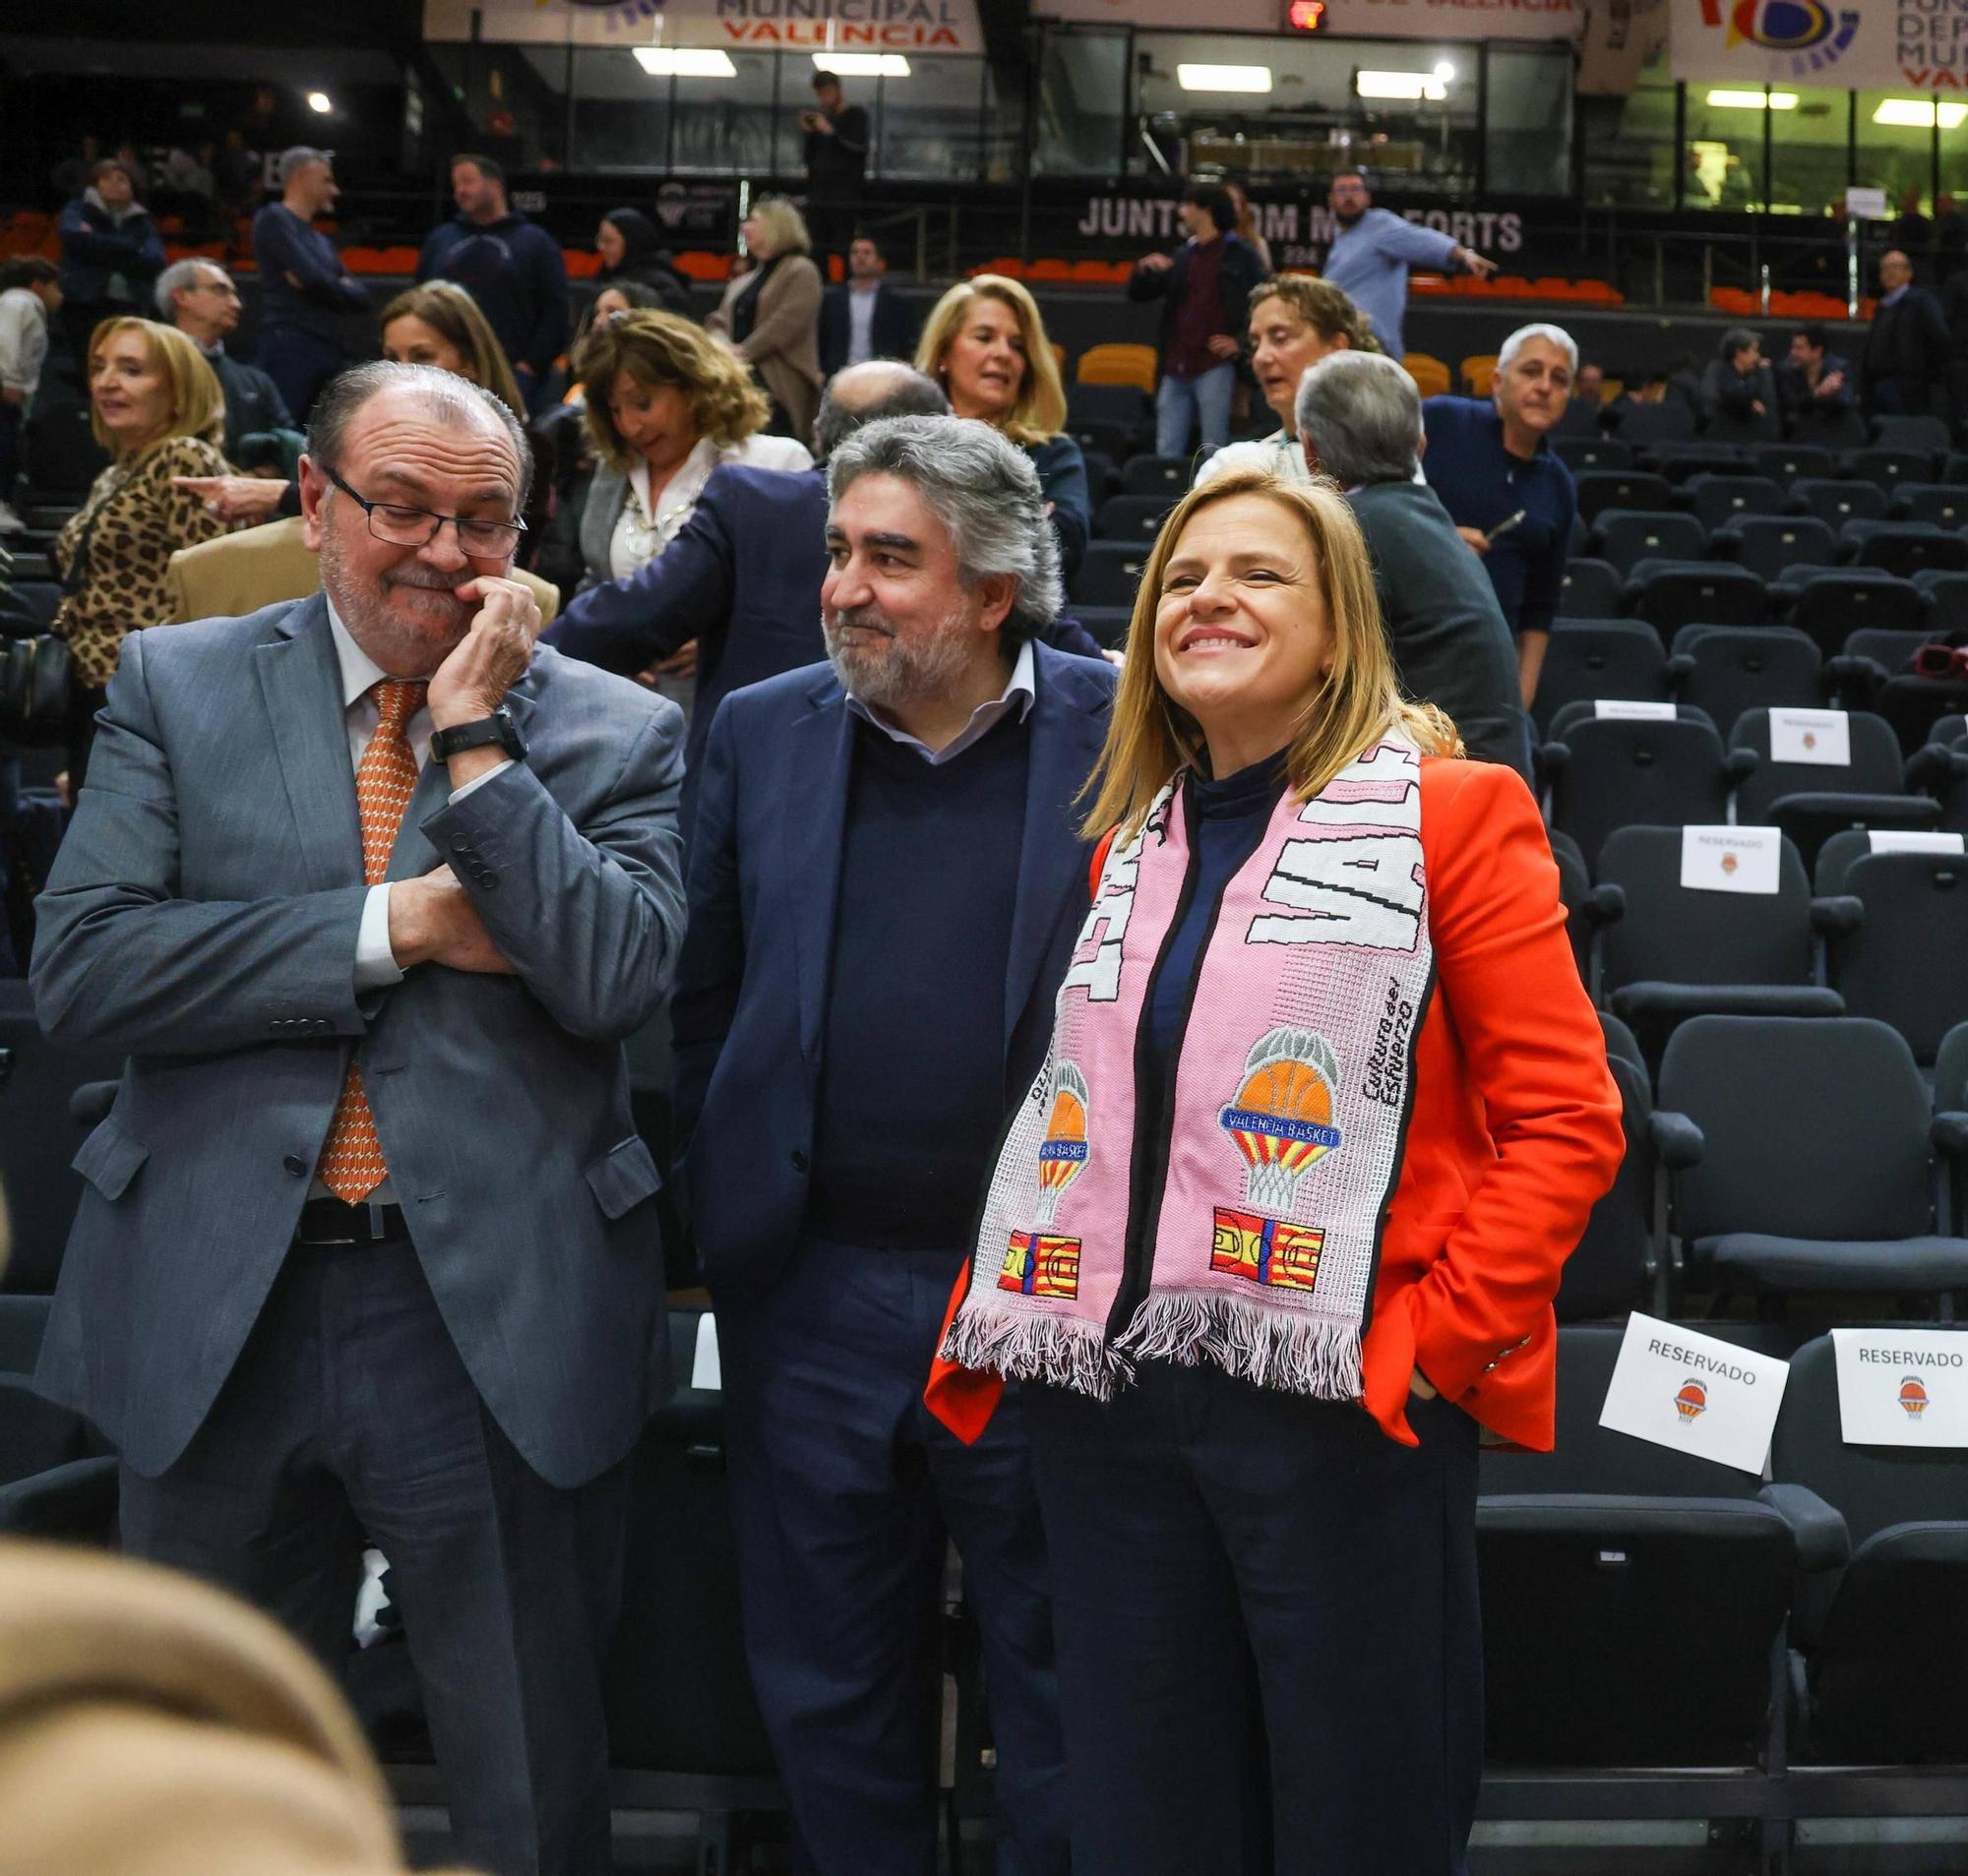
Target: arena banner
[947,27]
[1437,20]
[1893,45]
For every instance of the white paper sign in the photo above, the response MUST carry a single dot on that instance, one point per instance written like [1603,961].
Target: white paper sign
[1897,840]
[1700,1395]
[1820,736]
[1632,710]
[1902,1387]
[1868,204]
[1731,858]
[706,1370]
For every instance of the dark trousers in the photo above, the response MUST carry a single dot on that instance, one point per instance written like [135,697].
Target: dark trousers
[301,363]
[847,1495]
[350,1419]
[1269,1654]
[11,424]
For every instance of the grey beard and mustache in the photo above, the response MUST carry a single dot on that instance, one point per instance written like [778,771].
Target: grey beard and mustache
[366,610]
[901,674]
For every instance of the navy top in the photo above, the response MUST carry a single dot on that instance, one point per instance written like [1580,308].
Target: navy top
[1482,484]
[912,1092]
[302,282]
[1227,820]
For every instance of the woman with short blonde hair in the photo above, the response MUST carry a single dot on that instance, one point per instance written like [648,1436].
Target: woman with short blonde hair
[985,344]
[1277,1229]
[773,320]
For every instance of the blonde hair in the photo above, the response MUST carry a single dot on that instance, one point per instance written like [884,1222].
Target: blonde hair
[1149,735]
[1039,414]
[198,403]
[1324,307]
[457,318]
[660,350]
[783,224]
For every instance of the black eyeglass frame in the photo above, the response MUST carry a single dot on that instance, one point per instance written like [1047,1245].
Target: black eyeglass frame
[514,528]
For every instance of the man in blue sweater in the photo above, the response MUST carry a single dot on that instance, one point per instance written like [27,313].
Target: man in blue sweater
[512,267]
[306,294]
[1370,256]
[885,883]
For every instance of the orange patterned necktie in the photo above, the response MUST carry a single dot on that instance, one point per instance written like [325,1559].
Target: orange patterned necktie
[351,1163]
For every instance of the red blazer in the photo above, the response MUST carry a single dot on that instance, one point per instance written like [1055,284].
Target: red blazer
[1515,1134]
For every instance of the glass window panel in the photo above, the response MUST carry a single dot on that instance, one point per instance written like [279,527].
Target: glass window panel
[930,125]
[1529,127]
[727,124]
[1630,152]
[621,114]
[1082,102]
[1808,155]
[1898,156]
[1725,149]
[512,96]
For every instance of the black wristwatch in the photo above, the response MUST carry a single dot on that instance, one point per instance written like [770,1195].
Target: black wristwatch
[498,728]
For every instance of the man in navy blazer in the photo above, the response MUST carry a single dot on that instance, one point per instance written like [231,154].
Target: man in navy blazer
[886,877]
[864,316]
[369,854]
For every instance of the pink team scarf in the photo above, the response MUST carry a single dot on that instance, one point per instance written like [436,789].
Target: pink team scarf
[1245,1231]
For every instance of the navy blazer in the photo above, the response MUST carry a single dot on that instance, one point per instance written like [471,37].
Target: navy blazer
[765,877]
[892,333]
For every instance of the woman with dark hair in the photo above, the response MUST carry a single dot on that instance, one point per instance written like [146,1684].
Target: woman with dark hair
[631,246]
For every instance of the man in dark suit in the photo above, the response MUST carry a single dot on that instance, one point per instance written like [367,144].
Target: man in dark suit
[1360,420]
[886,877]
[1903,363]
[199,298]
[864,318]
[366,1252]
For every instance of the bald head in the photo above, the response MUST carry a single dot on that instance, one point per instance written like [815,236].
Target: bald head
[861,394]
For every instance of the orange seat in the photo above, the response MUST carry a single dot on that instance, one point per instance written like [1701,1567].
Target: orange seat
[1118,365]
[1049,271]
[1432,374]
[1008,265]
[1479,373]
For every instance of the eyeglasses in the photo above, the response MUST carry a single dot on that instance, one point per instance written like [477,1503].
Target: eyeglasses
[418,527]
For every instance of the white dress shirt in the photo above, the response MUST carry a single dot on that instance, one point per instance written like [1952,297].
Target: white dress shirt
[861,323]
[1017,694]
[640,535]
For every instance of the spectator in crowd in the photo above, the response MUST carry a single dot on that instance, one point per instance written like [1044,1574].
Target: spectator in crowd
[935,767]
[1248,1569]
[31,296]
[1296,320]
[199,298]
[738,587]
[1684,385]
[111,252]
[836,138]
[1815,387]
[631,249]
[1508,492]
[1205,288]
[1359,420]
[864,316]
[1246,227]
[1739,393]
[338,1320]
[1371,255]
[306,294]
[69,176]
[235,174]
[773,318]
[614,299]
[1588,390]
[1904,363]
[985,344]
[156,405]
[512,267]
[743,264]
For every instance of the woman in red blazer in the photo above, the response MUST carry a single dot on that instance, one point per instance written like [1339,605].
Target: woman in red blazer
[1326,1110]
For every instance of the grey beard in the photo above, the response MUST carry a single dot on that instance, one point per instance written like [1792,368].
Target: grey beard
[363,609]
[904,674]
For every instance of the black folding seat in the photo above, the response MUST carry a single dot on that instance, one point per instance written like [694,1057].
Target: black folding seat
[1913,702]
[58,1478]
[1671,594]
[1097,436]
[1898,935]
[1955,468]
[1110,574]
[1948,595]
[1108,624]
[1602,489]
[1715,500]
[1626,536]
[1835,501]
[1812,800]
[1886,466]
[1772,544]
[1598,658]
[33,600]
[1131,518]
[1619,1254]
[1656,426]
[1101,474]
[61,453]
[1609,772]
[1895,432]
[1592,452]
[1591,589]
[1871,656]
[1704,456]
[1125,404]
[1785,462]
[1167,477]
[1726,670]
[1668,952]
[1907,548]
[1832,603]
[1883,1639]
[1816,1169]
[1574,892]
[1939,504]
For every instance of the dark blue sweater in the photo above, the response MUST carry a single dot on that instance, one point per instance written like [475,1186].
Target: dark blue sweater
[514,270]
[912,1094]
[302,282]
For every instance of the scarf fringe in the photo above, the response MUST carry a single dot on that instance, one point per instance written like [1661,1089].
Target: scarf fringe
[1062,1351]
[1294,1352]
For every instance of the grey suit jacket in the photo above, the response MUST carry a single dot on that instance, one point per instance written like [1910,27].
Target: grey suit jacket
[202,915]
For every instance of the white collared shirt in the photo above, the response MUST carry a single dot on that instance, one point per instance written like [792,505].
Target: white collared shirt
[861,323]
[640,535]
[1018,694]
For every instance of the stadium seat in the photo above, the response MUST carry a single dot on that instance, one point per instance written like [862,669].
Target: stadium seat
[1166,476]
[1432,375]
[1913,702]
[1715,500]
[1832,603]
[58,1478]
[1726,670]
[1835,502]
[1574,892]
[1117,364]
[1108,624]
[1650,425]
[1625,536]
[1591,589]
[1886,468]
[1907,548]
[1784,462]
[1815,1173]
[61,454]
[1882,1640]
[1102,476]
[1771,545]
[1681,462]
[1897,947]
[1601,489]
[1598,658]
[1911,433]
[1118,403]
[1609,772]
[1478,373]
[1947,593]
[1129,517]
[1812,801]
[1114,440]
[1668,951]
[1110,574]
[1671,594]
[1594,452]
[1619,1253]
[1938,504]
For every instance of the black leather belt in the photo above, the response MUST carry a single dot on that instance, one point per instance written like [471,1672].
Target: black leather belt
[330,1223]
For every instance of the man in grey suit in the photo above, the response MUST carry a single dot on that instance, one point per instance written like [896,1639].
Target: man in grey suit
[365,1251]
